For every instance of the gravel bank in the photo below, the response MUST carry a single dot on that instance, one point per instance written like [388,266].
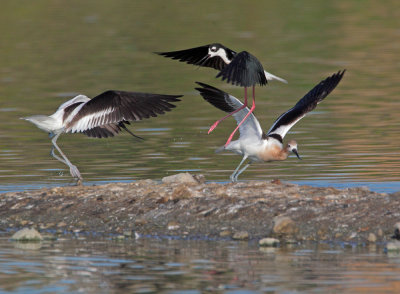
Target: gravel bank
[187,206]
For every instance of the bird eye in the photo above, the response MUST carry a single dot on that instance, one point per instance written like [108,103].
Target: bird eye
[213,49]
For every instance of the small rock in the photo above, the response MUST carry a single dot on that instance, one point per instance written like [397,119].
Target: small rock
[27,235]
[352,235]
[61,224]
[284,225]
[128,234]
[140,221]
[380,232]
[371,238]
[269,242]
[180,192]
[185,178]
[120,237]
[393,246]
[242,235]
[225,233]
[276,182]
[173,226]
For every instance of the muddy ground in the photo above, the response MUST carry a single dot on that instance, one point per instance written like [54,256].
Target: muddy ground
[187,206]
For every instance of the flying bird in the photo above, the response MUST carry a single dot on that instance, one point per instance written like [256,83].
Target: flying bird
[103,116]
[242,69]
[253,143]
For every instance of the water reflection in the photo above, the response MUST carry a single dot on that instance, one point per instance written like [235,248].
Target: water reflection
[51,51]
[159,266]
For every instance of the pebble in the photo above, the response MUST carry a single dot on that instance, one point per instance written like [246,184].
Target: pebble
[242,235]
[371,238]
[173,225]
[61,224]
[128,234]
[183,178]
[393,246]
[225,233]
[140,221]
[27,235]
[269,242]
[284,225]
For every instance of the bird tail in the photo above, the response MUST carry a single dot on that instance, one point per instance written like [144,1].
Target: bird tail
[271,77]
[220,149]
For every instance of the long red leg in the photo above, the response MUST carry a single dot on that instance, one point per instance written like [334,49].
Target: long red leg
[247,115]
[239,109]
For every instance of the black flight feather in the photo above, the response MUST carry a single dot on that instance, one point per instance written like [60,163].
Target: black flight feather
[245,70]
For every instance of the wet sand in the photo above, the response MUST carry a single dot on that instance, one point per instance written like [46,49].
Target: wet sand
[187,206]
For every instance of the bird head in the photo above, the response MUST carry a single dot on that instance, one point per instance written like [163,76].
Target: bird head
[292,147]
[216,49]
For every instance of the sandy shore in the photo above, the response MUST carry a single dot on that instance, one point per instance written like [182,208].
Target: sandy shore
[188,206]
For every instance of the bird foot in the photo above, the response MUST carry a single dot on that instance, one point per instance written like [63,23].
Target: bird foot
[75,173]
[213,127]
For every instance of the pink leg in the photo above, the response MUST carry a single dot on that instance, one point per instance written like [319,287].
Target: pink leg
[247,115]
[239,109]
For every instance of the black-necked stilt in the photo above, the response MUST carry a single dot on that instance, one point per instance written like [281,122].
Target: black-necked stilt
[101,117]
[242,69]
[253,143]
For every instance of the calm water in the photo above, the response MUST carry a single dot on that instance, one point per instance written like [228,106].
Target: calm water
[51,51]
[172,266]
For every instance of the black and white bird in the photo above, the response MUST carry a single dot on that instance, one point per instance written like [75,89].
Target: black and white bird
[103,116]
[242,69]
[253,143]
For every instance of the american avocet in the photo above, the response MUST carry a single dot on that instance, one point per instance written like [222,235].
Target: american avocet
[242,69]
[253,143]
[103,116]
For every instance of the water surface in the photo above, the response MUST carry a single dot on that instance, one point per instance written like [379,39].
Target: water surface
[86,265]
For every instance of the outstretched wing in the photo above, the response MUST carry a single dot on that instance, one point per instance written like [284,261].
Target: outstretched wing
[306,104]
[200,56]
[245,70]
[105,112]
[228,103]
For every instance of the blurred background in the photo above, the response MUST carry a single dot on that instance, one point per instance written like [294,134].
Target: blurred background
[52,50]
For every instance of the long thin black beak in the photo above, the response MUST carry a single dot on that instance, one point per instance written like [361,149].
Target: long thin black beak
[294,150]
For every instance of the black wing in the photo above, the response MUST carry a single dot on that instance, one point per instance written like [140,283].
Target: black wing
[306,104]
[228,103]
[218,98]
[199,56]
[245,70]
[112,107]
[109,130]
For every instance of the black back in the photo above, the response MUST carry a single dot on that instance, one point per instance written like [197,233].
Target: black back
[245,70]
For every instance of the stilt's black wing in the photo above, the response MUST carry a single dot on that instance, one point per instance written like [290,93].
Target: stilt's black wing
[245,70]
[198,56]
